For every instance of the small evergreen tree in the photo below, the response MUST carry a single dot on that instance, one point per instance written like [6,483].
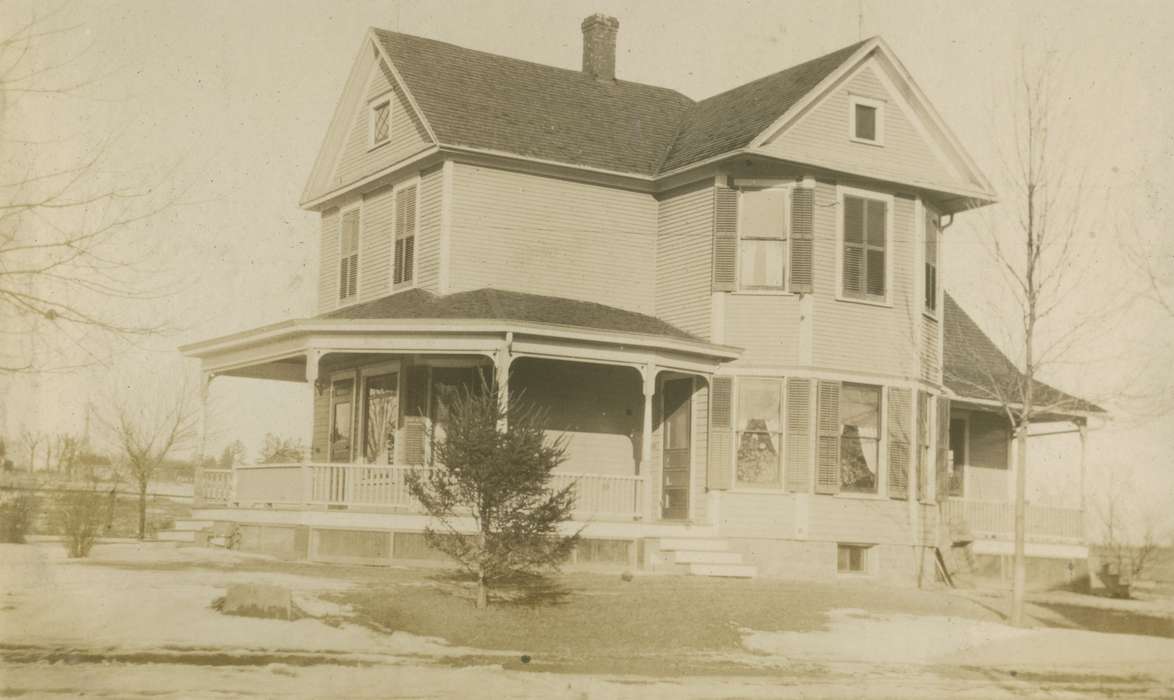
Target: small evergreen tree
[498,473]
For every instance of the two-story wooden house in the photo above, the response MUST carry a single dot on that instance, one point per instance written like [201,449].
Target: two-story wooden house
[731,306]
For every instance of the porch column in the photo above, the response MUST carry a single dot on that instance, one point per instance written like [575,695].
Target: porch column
[648,373]
[501,366]
[198,474]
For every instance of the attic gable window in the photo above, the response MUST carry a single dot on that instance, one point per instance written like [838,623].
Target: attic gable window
[867,118]
[380,122]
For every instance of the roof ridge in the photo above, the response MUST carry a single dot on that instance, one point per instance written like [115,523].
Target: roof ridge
[793,66]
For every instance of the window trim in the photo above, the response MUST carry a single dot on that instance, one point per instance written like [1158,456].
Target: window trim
[843,191]
[336,377]
[879,106]
[869,560]
[342,212]
[738,486]
[882,443]
[373,105]
[414,281]
[785,290]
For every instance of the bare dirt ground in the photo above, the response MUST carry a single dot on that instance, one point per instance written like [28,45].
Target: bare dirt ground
[136,621]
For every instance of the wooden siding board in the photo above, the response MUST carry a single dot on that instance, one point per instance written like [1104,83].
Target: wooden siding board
[822,136]
[555,237]
[428,233]
[408,135]
[375,234]
[854,336]
[765,326]
[328,261]
[683,253]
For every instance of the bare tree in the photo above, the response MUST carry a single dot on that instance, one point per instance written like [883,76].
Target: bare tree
[1131,528]
[232,455]
[32,439]
[278,449]
[1041,247]
[67,449]
[146,432]
[73,257]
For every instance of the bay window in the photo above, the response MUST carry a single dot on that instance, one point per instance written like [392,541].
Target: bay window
[759,436]
[860,420]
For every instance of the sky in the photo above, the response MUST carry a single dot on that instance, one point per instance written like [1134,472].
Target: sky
[229,102]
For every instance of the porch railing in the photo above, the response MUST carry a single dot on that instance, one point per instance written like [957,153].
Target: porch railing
[996,519]
[314,484]
[214,486]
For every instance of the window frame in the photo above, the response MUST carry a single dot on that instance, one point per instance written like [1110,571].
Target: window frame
[336,378]
[935,231]
[882,443]
[366,373]
[737,484]
[356,207]
[381,100]
[868,558]
[413,280]
[842,193]
[785,289]
[878,106]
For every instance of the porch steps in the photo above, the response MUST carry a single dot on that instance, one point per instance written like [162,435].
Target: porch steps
[192,525]
[706,557]
[177,536]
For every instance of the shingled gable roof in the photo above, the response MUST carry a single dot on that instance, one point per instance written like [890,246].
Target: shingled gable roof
[973,364]
[485,101]
[502,305]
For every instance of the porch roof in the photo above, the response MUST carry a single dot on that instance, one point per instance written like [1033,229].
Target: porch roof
[974,368]
[502,305]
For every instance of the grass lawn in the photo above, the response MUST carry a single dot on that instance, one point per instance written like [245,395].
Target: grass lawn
[595,615]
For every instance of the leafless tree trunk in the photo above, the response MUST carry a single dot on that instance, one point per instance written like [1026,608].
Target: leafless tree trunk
[32,440]
[146,432]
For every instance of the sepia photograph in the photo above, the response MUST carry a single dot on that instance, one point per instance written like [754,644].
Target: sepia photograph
[586,349]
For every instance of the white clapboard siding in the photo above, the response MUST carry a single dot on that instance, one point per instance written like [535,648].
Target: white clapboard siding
[849,335]
[407,138]
[554,237]
[869,520]
[683,250]
[822,136]
[428,232]
[375,255]
[765,326]
[757,515]
[328,261]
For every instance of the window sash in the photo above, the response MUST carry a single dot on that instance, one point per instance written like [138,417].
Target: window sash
[381,130]
[865,122]
[860,433]
[760,433]
[932,242]
[762,238]
[865,233]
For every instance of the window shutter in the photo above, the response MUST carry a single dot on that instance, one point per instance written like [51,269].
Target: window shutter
[802,240]
[827,470]
[798,451]
[899,422]
[943,450]
[344,276]
[405,235]
[725,239]
[720,436]
[348,268]
[415,440]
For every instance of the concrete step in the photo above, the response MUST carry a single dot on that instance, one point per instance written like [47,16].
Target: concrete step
[177,536]
[218,541]
[688,556]
[724,570]
[672,544]
[195,525]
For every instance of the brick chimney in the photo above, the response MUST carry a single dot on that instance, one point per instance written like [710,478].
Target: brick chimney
[599,46]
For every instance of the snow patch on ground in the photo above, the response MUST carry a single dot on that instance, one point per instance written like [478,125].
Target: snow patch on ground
[857,636]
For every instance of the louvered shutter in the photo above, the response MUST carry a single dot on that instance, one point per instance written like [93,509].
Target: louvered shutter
[923,454]
[718,473]
[802,240]
[943,449]
[725,239]
[405,235]
[827,463]
[899,422]
[415,440]
[798,451]
[348,266]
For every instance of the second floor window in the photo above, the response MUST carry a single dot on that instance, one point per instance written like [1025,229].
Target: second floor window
[405,235]
[762,244]
[860,420]
[932,241]
[865,241]
[348,263]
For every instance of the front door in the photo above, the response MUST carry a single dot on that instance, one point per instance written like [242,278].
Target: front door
[678,441]
[342,411]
